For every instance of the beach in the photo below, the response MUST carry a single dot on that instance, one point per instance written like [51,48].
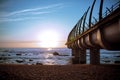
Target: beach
[59,72]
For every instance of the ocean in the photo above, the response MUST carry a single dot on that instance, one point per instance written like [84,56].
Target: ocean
[55,56]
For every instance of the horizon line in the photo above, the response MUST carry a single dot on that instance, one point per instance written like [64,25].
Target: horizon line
[25,41]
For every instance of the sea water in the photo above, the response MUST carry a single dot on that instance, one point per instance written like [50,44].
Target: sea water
[33,56]
[44,56]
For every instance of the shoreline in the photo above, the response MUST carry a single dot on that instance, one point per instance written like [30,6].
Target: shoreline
[60,72]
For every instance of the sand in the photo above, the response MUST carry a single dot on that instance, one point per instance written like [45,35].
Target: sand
[59,72]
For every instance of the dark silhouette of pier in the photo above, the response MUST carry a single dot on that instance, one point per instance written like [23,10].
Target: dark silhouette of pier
[102,33]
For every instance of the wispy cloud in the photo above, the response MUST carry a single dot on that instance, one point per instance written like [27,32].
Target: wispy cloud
[33,10]
[17,19]
[36,9]
[19,15]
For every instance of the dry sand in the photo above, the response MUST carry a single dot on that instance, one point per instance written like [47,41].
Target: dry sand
[57,72]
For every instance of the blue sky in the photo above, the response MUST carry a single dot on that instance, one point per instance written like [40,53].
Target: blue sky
[23,21]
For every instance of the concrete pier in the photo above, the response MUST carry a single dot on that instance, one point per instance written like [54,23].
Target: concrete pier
[104,34]
[94,56]
[79,56]
[75,54]
[82,55]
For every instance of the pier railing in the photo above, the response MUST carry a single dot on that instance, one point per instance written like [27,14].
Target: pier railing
[111,9]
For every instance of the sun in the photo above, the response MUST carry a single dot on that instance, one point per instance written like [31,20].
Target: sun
[49,39]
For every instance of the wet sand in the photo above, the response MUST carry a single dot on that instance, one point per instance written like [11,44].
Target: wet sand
[59,72]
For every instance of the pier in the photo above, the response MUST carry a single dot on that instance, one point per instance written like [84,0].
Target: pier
[102,33]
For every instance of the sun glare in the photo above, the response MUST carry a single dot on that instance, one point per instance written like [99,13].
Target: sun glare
[49,39]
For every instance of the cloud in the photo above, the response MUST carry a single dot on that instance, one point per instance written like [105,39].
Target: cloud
[22,14]
[35,13]
[17,19]
[34,10]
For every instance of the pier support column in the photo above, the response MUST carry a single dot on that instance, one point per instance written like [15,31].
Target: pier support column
[79,56]
[94,56]
[75,54]
[82,55]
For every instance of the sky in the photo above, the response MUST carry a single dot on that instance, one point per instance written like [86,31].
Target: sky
[41,23]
